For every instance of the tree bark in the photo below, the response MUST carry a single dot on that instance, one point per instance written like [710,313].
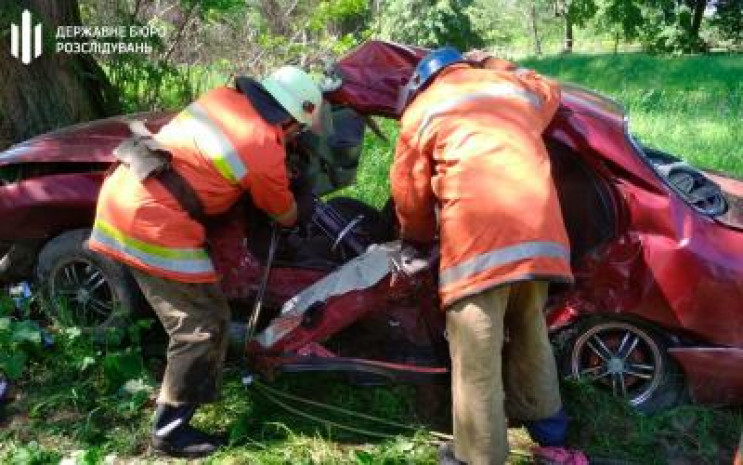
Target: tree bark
[568,45]
[54,90]
[534,30]
[617,37]
[696,22]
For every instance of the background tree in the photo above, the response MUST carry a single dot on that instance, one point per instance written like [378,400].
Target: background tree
[511,23]
[55,89]
[728,20]
[697,8]
[622,19]
[429,23]
[534,27]
[672,25]
[574,13]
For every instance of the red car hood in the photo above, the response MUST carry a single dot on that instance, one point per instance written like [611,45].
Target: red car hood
[374,73]
[82,143]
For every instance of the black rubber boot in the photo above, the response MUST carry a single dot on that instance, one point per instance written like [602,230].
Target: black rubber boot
[446,455]
[173,436]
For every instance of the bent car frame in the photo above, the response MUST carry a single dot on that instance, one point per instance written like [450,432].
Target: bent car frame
[655,315]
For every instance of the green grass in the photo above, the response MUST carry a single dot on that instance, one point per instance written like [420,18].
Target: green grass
[608,429]
[690,106]
[373,180]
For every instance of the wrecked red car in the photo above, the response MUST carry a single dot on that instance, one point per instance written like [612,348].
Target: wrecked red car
[655,315]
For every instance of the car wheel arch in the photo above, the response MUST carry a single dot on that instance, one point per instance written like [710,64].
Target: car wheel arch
[68,252]
[672,388]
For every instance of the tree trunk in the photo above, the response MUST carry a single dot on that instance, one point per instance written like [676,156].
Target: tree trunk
[54,89]
[568,45]
[696,22]
[534,30]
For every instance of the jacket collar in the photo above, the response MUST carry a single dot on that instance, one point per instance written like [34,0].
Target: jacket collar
[266,106]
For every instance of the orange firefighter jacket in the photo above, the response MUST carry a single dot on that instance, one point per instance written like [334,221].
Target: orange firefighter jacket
[470,155]
[222,147]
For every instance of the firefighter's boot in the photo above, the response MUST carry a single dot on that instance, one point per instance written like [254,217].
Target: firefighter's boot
[172,435]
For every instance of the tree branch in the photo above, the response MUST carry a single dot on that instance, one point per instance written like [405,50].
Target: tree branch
[137,6]
[179,35]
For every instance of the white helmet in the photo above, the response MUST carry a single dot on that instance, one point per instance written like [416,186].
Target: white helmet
[297,93]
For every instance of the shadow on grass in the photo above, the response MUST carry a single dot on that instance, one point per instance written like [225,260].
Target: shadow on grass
[610,431]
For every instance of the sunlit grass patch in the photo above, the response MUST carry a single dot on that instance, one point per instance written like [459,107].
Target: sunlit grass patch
[689,106]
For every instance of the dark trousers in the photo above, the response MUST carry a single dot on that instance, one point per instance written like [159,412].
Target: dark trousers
[196,317]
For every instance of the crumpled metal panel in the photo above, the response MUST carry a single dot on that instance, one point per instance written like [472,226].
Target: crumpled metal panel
[667,264]
[372,75]
[359,274]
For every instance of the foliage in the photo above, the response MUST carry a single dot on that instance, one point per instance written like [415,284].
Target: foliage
[206,42]
[669,30]
[345,16]
[496,25]
[501,24]
[728,20]
[581,11]
[30,454]
[81,387]
[429,23]
[661,25]
[145,85]
[20,340]
[620,18]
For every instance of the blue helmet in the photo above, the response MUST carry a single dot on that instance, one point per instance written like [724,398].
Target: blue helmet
[427,69]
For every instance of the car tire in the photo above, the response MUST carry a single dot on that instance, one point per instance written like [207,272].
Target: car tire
[82,288]
[626,358]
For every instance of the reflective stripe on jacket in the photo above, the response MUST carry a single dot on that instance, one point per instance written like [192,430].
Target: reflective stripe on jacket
[470,147]
[222,147]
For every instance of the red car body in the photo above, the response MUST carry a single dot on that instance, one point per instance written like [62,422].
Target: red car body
[647,252]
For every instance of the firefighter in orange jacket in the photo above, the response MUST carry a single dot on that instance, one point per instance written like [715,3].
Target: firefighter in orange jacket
[230,141]
[470,166]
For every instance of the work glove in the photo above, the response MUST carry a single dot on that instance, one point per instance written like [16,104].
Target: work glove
[301,187]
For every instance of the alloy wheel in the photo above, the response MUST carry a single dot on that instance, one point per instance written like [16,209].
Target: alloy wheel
[81,293]
[621,358]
